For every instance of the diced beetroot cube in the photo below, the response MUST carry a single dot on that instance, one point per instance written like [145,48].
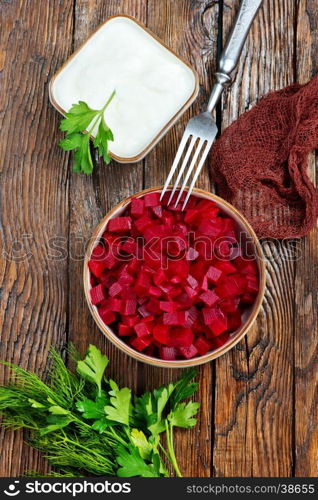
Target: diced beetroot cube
[128,293]
[142,284]
[119,224]
[192,294]
[107,316]
[220,340]
[96,267]
[115,289]
[225,266]
[174,291]
[143,310]
[148,319]
[188,352]
[152,259]
[252,284]
[216,320]
[176,280]
[129,246]
[234,321]
[211,227]
[192,281]
[131,320]
[214,274]
[175,246]
[191,316]
[245,265]
[175,318]
[133,266]
[161,334]
[229,305]
[153,306]
[125,330]
[142,329]
[115,305]
[167,353]
[126,279]
[210,298]
[205,283]
[157,211]
[180,337]
[129,307]
[235,284]
[98,293]
[178,268]
[137,207]
[236,251]
[167,306]
[192,254]
[154,291]
[152,199]
[99,252]
[142,223]
[202,345]
[140,343]
[160,277]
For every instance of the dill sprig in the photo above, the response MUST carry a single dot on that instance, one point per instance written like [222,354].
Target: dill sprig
[86,425]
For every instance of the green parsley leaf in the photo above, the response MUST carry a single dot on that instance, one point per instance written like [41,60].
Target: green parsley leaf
[140,441]
[183,388]
[133,465]
[92,409]
[79,123]
[93,366]
[182,415]
[120,400]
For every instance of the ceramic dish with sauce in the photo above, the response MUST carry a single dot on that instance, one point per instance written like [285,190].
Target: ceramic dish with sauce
[153,86]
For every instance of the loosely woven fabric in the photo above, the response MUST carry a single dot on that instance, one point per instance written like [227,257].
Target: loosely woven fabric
[260,162]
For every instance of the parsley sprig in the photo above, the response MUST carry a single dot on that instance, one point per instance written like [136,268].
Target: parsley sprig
[86,424]
[77,138]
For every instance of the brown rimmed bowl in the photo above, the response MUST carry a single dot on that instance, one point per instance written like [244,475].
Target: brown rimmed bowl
[246,233]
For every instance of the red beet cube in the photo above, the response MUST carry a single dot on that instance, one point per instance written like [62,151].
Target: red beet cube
[234,321]
[225,266]
[192,254]
[154,291]
[115,305]
[142,329]
[140,343]
[191,316]
[107,316]
[202,345]
[175,318]
[130,246]
[142,223]
[115,289]
[229,305]
[157,211]
[98,293]
[129,307]
[119,224]
[214,274]
[246,266]
[160,277]
[137,207]
[180,337]
[152,199]
[131,320]
[220,340]
[125,330]
[210,298]
[161,334]
[167,353]
[252,284]
[235,284]
[192,281]
[188,352]
[96,267]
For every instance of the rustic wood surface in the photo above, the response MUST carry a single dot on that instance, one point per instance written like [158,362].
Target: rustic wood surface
[259,402]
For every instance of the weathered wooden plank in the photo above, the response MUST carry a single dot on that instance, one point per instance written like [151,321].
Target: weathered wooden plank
[190,28]
[306,280]
[90,199]
[34,198]
[254,382]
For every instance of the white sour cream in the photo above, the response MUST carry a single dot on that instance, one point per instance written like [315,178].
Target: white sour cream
[151,83]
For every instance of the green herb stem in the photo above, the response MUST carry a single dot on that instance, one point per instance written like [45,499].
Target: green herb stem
[173,459]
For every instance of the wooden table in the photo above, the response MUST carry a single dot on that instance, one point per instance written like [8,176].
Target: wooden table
[258,402]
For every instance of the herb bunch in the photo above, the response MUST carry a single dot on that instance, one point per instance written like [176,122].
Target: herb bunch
[86,425]
[77,138]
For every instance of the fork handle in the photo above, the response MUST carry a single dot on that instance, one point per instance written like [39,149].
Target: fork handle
[233,48]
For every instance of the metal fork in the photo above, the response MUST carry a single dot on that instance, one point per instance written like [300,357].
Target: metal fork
[202,129]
